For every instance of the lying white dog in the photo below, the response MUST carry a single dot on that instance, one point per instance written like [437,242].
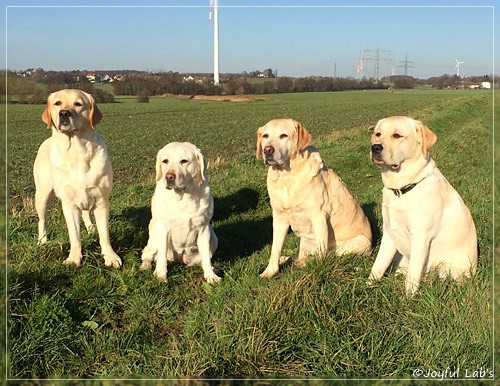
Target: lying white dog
[425,221]
[181,208]
[73,164]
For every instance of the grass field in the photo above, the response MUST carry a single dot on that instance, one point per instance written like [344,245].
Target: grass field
[321,321]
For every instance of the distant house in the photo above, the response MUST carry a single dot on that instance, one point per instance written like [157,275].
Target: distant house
[106,79]
[265,74]
[486,85]
[188,79]
[268,73]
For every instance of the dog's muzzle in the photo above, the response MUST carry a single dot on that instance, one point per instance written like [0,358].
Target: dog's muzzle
[268,152]
[65,121]
[171,182]
[376,154]
[377,149]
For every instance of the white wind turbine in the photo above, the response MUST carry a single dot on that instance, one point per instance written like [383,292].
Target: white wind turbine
[214,8]
[457,66]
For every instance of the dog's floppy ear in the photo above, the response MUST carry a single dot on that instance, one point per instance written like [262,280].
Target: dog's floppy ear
[425,137]
[303,137]
[258,152]
[158,166]
[202,164]
[46,115]
[95,115]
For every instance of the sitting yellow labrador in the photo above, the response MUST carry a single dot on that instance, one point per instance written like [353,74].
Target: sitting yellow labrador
[73,165]
[181,208]
[425,221]
[307,196]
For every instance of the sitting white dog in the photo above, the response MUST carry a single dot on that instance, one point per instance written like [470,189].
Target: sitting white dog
[426,224]
[181,208]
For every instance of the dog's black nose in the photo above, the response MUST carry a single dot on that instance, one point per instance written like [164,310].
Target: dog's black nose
[269,150]
[377,149]
[64,114]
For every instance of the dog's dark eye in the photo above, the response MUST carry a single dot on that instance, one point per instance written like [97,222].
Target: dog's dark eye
[165,161]
[78,104]
[184,162]
[396,136]
[58,103]
[378,134]
[265,136]
[282,136]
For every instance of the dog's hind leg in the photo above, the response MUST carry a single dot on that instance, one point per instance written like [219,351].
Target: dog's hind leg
[87,220]
[44,188]
[150,250]
[358,244]
[42,200]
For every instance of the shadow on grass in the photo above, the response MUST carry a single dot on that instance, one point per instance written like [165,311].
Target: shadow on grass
[369,210]
[136,235]
[243,238]
[42,280]
[240,238]
[244,200]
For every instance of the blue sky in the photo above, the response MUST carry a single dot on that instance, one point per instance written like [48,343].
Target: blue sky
[288,35]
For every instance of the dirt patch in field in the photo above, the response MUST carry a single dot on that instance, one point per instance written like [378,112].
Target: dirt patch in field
[223,98]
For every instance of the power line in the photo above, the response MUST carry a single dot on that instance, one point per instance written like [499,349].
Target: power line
[406,64]
[376,55]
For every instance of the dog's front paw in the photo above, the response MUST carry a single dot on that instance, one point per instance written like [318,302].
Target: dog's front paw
[73,260]
[146,265]
[113,261]
[284,260]
[42,240]
[301,262]
[373,279]
[268,273]
[161,276]
[212,278]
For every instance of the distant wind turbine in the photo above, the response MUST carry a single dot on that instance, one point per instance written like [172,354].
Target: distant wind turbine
[457,66]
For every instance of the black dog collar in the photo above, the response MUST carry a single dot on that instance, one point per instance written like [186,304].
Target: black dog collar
[406,188]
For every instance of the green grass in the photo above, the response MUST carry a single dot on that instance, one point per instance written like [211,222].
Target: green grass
[321,321]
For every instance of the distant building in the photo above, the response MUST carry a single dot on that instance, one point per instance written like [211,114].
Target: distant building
[265,74]
[486,85]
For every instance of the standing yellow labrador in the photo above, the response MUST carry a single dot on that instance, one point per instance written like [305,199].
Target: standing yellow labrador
[181,209]
[307,196]
[425,221]
[73,164]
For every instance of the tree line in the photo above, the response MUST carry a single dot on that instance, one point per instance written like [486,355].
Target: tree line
[35,90]
[35,86]
[168,83]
